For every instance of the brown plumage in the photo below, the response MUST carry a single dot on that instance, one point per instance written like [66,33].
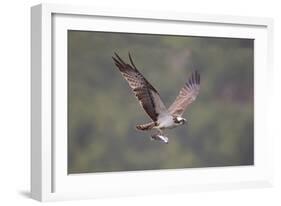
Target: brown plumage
[143,90]
[147,126]
[186,96]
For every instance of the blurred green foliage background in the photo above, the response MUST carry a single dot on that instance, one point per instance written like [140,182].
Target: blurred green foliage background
[103,112]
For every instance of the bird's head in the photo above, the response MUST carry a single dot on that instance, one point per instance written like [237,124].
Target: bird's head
[180,120]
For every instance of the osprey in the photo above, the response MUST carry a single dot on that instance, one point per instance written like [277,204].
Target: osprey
[151,102]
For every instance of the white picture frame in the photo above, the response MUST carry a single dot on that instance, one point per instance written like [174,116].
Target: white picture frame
[49,178]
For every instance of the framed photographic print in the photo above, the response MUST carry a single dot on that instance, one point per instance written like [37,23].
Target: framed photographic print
[138,102]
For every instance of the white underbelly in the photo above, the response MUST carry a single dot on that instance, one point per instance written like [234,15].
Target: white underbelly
[166,122]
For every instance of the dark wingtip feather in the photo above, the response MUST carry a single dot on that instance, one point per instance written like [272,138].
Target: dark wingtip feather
[197,77]
[119,59]
[131,60]
[118,64]
[115,60]
[194,79]
[189,84]
[116,56]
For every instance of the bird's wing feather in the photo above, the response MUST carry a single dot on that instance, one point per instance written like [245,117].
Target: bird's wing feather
[186,96]
[143,90]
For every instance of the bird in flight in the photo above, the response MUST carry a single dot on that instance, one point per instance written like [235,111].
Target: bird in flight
[149,99]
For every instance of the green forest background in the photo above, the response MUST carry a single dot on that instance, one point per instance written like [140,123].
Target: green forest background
[103,112]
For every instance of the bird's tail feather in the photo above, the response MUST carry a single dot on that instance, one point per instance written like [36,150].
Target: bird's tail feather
[147,126]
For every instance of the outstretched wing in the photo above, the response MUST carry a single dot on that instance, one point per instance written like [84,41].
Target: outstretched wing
[186,96]
[143,90]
